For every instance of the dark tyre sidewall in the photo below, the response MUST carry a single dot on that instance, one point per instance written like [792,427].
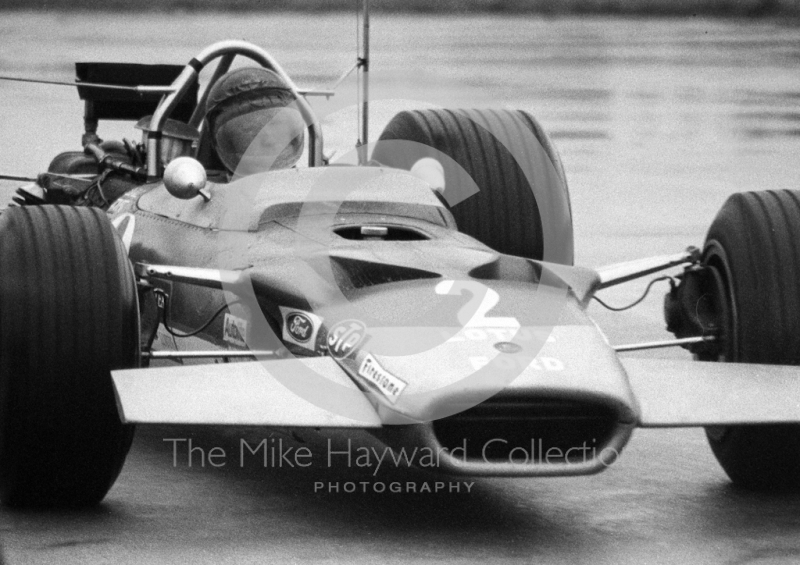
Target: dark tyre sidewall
[753,244]
[68,315]
[522,204]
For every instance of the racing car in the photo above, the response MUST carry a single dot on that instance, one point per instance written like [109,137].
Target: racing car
[426,294]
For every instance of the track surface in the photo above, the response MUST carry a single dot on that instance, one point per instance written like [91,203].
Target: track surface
[657,123]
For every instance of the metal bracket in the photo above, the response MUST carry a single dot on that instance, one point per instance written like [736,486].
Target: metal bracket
[213,354]
[623,272]
[219,279]
[686,342]
[696,308]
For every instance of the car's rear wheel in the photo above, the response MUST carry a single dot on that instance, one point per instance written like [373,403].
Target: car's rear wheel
[68,315]
[504,181]
[754,245]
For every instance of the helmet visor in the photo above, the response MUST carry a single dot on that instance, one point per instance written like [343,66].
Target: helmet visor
[262,139]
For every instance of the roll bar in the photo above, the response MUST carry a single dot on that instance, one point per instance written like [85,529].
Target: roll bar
[181,85]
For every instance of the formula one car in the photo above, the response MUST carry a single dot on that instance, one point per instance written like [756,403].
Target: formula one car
[426,295]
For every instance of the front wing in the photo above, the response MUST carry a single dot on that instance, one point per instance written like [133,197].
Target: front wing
[674,393]
[234,394]
[669,393]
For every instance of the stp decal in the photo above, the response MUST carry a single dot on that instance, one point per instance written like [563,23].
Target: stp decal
[344,337]
[300,327]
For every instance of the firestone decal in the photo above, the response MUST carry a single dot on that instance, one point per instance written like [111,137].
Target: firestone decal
[300,328]
[387,384]
[345,337]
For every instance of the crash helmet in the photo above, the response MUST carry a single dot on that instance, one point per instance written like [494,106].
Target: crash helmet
[253,121]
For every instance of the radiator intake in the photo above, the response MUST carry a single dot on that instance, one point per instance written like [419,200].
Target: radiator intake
[538,431]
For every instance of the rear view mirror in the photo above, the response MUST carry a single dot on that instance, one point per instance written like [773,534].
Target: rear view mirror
[186,178]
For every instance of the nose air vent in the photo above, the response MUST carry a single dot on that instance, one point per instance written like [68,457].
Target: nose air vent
[380,233]
[533,431]
[355,274]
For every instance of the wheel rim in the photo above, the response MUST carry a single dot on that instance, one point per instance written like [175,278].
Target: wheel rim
[716,262]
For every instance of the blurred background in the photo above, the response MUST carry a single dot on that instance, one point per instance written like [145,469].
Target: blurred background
[637,7]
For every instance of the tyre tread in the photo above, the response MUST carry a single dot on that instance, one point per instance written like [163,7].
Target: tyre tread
[68,315]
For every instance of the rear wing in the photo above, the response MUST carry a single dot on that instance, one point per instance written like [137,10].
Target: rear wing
[121,104]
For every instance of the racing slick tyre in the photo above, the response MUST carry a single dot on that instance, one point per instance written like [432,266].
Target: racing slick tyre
[504,181]
[754,244]
[68,315]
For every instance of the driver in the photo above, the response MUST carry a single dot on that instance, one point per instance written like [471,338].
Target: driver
[253,122]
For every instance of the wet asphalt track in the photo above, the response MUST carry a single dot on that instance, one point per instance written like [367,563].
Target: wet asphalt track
[657,122]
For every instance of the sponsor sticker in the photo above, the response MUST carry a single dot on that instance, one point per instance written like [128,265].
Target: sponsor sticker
[234,330]
[345,337]
[300,327]
[390,386]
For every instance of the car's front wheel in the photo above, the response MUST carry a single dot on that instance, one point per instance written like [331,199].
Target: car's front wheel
[754,245]
[68,315]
